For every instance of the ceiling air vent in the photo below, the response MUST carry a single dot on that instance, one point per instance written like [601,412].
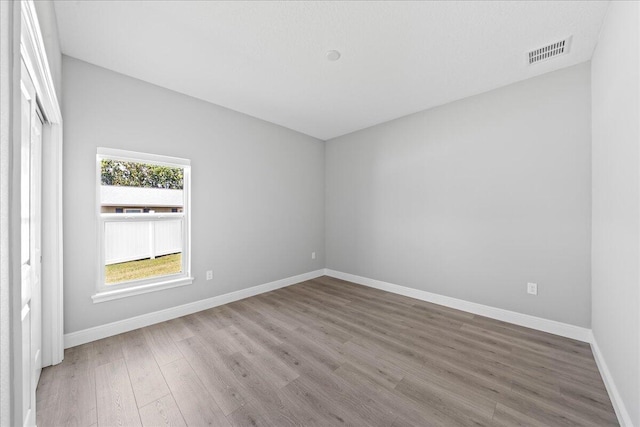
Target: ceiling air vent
[550,51]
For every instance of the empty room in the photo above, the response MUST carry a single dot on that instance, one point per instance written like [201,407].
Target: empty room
[319,213]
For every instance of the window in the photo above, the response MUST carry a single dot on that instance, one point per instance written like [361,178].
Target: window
[143,223]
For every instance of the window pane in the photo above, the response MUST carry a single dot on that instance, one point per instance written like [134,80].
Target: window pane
[141,207]
[137,250]
[135,187]
[138,174]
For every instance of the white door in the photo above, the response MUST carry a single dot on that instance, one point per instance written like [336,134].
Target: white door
[30,211]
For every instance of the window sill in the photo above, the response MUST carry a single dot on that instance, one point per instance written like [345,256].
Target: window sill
[142,289]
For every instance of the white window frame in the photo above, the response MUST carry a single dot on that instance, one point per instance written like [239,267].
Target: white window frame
[106,292]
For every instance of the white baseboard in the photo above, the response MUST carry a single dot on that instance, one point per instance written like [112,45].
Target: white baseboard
[616,400]
[110,329]
[533,322]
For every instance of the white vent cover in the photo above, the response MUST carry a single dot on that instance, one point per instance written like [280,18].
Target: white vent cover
[550,51]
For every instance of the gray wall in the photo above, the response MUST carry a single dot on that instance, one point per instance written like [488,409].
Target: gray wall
[473,199]
[49,28]
[257,189]
[616,200]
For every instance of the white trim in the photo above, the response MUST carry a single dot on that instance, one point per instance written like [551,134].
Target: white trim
[34,55]
[106,292]
[616,399]
[8,42]
[533,322]
[139,290]
[134,156]
[103,331]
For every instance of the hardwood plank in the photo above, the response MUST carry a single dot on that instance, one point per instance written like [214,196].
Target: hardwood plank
[273,328]
[116,402]
[507,417]
[406,412]
[198,324]
[177,329]
[590,397]
[319,388]
[46,392]
[279,411]
[274,315]
[252,382]
[220,383]
[323,405]
[528,407]
[463,412]
[161,344]
[271,368]
[301,407]
[275,411]
[248,415]
[543,339]
[379,372]
[74,402]
[146,379]
[219,316]
[106,350]
[196,404]
[322,294]
[162,412]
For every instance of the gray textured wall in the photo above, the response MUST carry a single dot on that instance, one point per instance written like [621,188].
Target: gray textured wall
[473,199]
[257,189]
[616,200]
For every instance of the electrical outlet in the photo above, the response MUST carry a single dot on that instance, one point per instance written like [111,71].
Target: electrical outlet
[532,288]
[313,255]
[209,274]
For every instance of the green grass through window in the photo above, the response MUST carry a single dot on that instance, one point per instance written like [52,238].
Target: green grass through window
[143,269]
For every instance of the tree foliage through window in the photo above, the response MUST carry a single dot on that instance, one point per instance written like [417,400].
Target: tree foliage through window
[134,174]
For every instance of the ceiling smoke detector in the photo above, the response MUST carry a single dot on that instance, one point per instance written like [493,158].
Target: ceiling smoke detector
[333,55]
[550,51]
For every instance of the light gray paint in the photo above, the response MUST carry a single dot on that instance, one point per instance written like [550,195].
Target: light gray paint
[49,28]
[473,199]
[257,189]
[267,58]
[616,200]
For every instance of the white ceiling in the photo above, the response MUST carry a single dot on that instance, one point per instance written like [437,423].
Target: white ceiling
[267,59]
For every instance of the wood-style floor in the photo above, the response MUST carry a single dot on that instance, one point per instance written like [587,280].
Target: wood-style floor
[327,352]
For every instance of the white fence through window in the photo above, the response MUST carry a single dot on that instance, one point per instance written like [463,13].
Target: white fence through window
[135,240]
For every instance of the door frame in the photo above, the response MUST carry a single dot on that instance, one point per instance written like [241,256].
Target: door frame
[33,53]
[9,44]
[20,36]
[21,40]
